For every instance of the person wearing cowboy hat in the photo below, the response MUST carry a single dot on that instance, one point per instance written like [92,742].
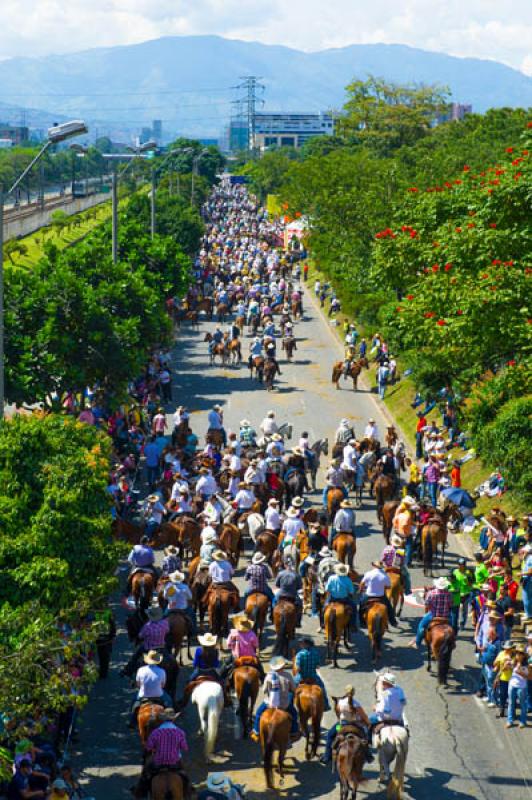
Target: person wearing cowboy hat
[279,690]
[348,712]
[257,575]
[344,522]
[272,517]
[291,528]
[393,556]
[179,597]
[247,434]
[220,787]
[153,513]
[215,420]
[171,560]
[306,665]
[390,706]
[371,431]
[341,589]
[206,485]
[152,636]
[503,666]
[206,662]
[243,643]
[150,680]
[165,746]
[518,686]
[438,603]
[221,570]
[245,498]
[344,432]
[210,544]
[288,584]
[268,426]
[334,479]
[275,448]
[141,559]
[374,585]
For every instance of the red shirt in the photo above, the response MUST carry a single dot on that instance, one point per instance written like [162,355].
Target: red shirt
[421,424]
[513,588]
[455,477]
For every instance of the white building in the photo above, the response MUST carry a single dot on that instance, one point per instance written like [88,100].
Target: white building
[285,129]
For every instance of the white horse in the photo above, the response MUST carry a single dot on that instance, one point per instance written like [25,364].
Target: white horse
[209,698]
[391,743]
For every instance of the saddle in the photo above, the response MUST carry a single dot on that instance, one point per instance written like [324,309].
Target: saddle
[308,682]
[436,621]
[246,661]
[210,678]
[387,723]
[146,570]
[217,588]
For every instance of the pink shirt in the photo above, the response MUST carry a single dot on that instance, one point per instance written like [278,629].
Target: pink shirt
[242,643]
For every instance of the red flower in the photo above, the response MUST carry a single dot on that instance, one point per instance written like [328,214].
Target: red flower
[458,230]
[441,323]
[509,149]
[429,314]
[458,182]
[496,262]
[466,168]
[500,171]
[398,309]
[435,244]
[516,161]
[525,152]
[490,191]
[517,176]
[413,189]
[511,363]
[484,276]
[459,312]
[470,224]
[410,297]
[508,263]
[447,267]
[413,234]
[529,124]
[298,214]
[435,267]
[493,224]
[448,185]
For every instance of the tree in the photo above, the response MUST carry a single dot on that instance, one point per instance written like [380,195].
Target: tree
[14,247]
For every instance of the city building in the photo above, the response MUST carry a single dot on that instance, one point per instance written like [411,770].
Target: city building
[16,133]
[283,129]
[236,136]
[157,130]
[457,111]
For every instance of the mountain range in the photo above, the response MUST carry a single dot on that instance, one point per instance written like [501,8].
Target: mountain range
[189,82]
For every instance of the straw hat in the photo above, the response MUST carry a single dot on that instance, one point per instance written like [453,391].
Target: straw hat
[441,583]
[258,558]
[219,555]
[245,423]
[207,640]
[153,657]
[277,663]
[171,550]
[273,501]
[292,513]
[346,504]
[209,537]
[277,437]
[396,540]
[242,624]
[341,569]
[177,576]
[242,485]
[390,678]
[378,564]
[298,502]
[153,498]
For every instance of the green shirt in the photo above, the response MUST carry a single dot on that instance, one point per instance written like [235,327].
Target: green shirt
[481,575]
[454,589]
[462,581]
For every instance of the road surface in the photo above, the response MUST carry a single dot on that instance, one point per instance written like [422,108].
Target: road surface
[458,748]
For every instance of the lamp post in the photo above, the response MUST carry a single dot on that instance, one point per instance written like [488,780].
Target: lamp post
[56,134]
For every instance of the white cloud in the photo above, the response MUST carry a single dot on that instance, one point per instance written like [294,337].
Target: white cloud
[481,28]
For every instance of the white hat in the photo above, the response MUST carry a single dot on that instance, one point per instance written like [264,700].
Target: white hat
[277,663]
[245,423]
[325,551]
[441,583]
[153,657]
[210,536]
[292,513]
[270,414]
[277,437]
[341,569]
[218,782]
[177,576]
[217,407]
[297,502]
[409,501]
[273,501]
[219,555]
[258,558]
[396,540]
[208,640]
[390,678]
[344,422]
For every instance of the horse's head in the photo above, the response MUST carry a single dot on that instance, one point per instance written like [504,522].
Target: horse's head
[208,337]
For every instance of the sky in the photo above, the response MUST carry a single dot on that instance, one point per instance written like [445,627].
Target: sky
[493,29]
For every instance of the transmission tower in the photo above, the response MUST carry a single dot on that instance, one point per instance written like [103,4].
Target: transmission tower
[251,84]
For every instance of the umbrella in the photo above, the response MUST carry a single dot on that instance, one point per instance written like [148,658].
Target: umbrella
[458,496]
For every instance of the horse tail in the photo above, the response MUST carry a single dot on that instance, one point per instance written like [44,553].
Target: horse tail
[217,617]
[255,617]
[377,630]
[269,745]
[427,550]
[444,656]
[243,702]
[281,636]
[332,627]
[395,787]
[213,720]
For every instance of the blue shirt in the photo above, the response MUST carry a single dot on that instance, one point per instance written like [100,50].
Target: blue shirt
[151,451]
[141,556]
[340,587]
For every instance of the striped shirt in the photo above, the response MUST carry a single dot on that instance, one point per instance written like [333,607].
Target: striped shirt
[153,634]
[439,601]
[167,743]
[257,577]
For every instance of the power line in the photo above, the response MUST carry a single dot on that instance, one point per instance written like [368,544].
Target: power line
[116,94]
[251,85]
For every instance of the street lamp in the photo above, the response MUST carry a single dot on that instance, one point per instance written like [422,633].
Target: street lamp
[56,134]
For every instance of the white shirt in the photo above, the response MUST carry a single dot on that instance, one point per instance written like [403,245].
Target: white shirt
[251,475]
[235,463]
[371,432]
[221,571]
[272,519]
[346,708]
[268,426]
[233,487]
[392,703]
[291,527]
[178,484]
[349,457]
[245,498]
[150,680]
[156,512]
[206,485]
[376,582]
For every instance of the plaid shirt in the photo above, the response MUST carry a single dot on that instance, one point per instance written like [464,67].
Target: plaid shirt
[257,577]
[167,742]
[307,662]
[153,634]
[439,601]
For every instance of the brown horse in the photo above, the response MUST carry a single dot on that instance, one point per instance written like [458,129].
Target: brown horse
[396,592]
[275,727]
[231,542]
[309,703]
[289,345]
[349,758]
[123,529]
[220,602]
[199,584]
[246,682]
[355,368]
[147,718]
[206,305]
[214,436]
[142,588]
[217,349]
[441,641]
[388,513]
[334,498]
[434,533]
[240,322]
[234,349]
[266,543]
[166,785]
[271,369]
[184,533]
[257,605]
[222,310]
[257,363]
[178,624]
[285,622]
[336,618]
[345,547]
[377,620]
[384,488]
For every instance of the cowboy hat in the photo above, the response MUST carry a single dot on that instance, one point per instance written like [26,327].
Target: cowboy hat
[396,540]
[242,623]
[324,552]
[171,550]
[245,423]
[378,564]
[341,569]
[346,504]
[273,501]
[217,407]
[218,782]
[243,485]
[204,471]
[298,502]
[509,645]
[441,583]
[177,576]
[352,442]
[494,616]
[153,498]
[209,537]
[208,640]
[371,420]
[167,714]
[153,657]
[270,413]
[277,663]
[520,647]
[292,513]
[155,613]
[183,490]
[258,558]
[297,451]
[219,555]
[276,437]
[349,689]
[390,678]
[344,422]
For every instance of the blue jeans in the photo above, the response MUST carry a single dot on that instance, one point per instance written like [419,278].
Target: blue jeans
[529,690]
[455,610]
[409,550]
[515,695]
[503,695]
[422,627]
[152,473]
[433,493]
[465,608]
[419,445]
[381,388]
[291,710]
[324,495]
[527,596]
[489,675]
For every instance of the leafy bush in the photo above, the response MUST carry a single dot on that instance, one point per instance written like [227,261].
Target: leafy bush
[491,394]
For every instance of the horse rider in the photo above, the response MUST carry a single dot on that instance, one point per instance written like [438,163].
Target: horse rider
[288,584]
[350,355]
[270,356]
[389,708]
[371,431]
[257,575]
[141,559]
[438,603]
[179,597]
[344,522]
[247,434]
[306,664]
[150,680]
[349,712]
[206,485]
[245,498]
[341,589]
[243,644]
[334,479]
[252,475]
[291,527]
[404,525]
[275,449]
[255,350]
[215,420]
[272,517]
[304,445]
[171,560]
[279,691]
[217,338]
[153,513]
[221,571]
[393,556]
[269,426]
[390,467]
[165,745]
[373,587]
[269,328]
[344,432]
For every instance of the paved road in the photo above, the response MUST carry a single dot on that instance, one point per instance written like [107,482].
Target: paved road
[458,749]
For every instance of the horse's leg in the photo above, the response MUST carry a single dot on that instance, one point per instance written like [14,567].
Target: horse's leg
[335,653]
[429,657]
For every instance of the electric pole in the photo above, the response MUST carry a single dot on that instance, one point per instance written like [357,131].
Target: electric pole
[251,84]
